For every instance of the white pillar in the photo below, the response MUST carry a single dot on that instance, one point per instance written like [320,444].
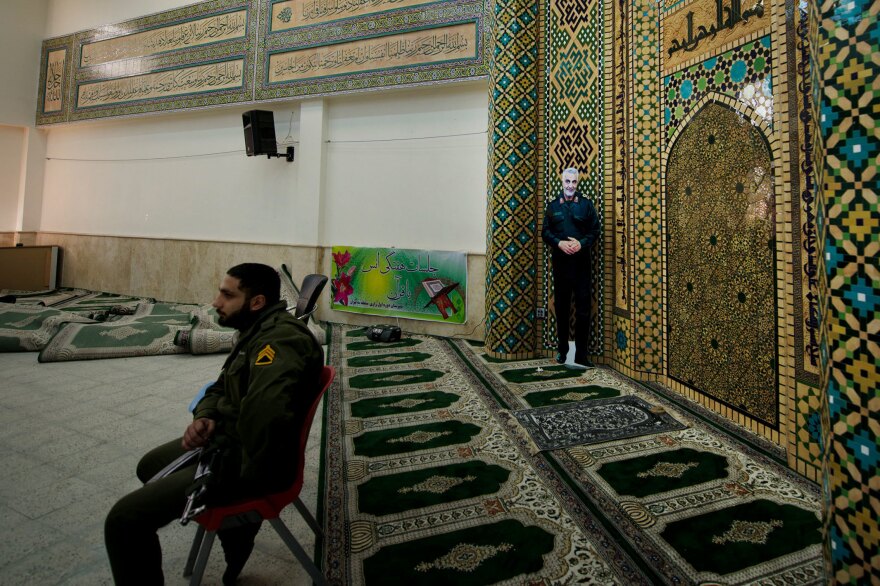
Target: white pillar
[30,186]
[311,159]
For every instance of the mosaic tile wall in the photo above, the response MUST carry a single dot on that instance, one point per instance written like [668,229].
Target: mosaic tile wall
[720,232]
[572,108]
[720,246]
[511,224]
[804,445]
[768,78]
[645,188]
[759,76]
[845,38]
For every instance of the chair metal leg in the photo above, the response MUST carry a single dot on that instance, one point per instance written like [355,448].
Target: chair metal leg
[193,551]
[310,520]
[202,560]
[297,550]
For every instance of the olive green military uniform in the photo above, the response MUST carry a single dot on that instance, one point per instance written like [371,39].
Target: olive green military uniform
[265,388]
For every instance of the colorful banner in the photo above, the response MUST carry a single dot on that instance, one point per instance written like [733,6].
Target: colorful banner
[399,282]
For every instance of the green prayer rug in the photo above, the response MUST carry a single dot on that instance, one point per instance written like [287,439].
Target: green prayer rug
[427,479]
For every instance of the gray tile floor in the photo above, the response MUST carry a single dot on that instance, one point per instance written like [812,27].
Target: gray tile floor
[71,434]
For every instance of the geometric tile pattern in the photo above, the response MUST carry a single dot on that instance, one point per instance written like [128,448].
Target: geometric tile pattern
[720,248]
[646,168]
[621,343]
[573,114]
[511,225]
[740,72]
[809,423]
[847,91]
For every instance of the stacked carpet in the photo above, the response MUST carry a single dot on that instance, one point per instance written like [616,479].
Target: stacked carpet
[79,324]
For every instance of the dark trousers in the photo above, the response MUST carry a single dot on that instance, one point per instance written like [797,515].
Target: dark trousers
[131,525]
[572,275]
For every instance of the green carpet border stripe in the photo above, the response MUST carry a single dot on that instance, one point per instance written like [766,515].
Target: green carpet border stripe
[321,505]
[476,373]
[596,512]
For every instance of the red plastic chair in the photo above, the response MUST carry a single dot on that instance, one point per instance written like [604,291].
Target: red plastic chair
[266,508]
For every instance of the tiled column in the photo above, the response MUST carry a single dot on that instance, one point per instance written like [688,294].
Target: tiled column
[847,93]
[511,223]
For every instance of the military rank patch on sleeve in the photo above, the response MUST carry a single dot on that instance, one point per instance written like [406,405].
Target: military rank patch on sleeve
[266,356]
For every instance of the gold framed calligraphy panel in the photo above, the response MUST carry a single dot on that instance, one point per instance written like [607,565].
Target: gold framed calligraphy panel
[703,27]
[191,32]
[429,45]
[289,14]
[172,82]
[55,66]
[191,57]
[208,54]
[442,42]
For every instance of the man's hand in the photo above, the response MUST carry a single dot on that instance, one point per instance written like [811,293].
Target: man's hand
[198,433]
[570,246]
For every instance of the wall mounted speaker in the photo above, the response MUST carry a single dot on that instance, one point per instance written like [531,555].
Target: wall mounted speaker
[259,132]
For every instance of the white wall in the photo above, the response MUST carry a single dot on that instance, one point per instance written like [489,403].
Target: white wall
[408,168]
[70,16]
[11,145]
[169,176]
[21,36]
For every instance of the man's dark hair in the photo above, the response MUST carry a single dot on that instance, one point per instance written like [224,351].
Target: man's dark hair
[257,279]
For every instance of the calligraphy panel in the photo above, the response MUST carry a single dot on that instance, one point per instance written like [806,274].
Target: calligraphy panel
[52,103]
[162,84]
[193,33]
[198,55]
[54,86]
[296,13]
[441,42]
[618,47]
[705,26]
[400,50]
[211,53]
[398,282]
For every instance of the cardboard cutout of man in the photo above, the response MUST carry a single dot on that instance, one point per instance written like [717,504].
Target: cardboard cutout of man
[571,227]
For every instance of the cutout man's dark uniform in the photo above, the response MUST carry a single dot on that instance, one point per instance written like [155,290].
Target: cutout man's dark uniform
[571,272]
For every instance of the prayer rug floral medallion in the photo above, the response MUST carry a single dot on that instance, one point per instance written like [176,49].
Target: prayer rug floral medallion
[428,479]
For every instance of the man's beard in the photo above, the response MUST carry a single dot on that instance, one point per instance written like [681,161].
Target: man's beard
[241,320]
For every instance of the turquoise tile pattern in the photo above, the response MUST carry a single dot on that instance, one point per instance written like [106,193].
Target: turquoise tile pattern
[511,224]
[846,95]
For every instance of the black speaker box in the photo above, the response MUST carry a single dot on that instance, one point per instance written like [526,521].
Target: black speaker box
[259,132]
